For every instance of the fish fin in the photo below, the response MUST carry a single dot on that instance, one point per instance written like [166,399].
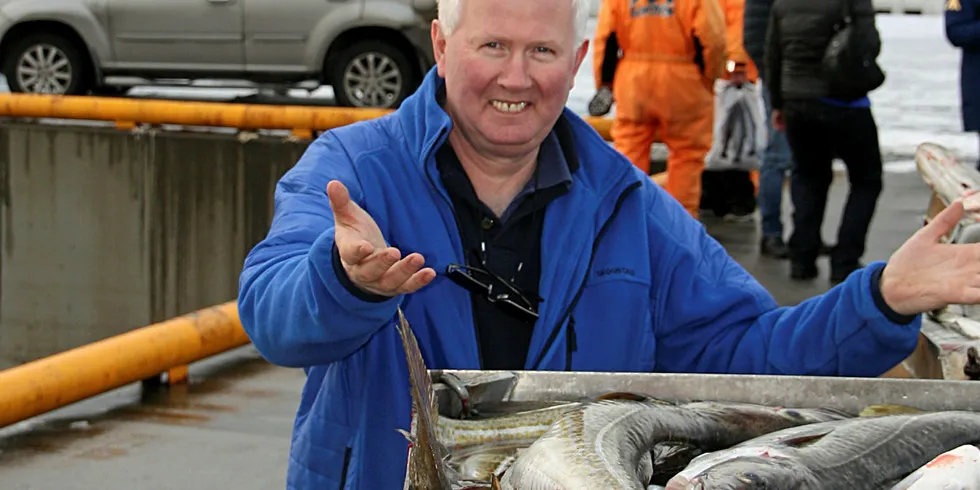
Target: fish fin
[887,409]
[636,397]
[408,435]
[495,482]
[803,440]
[428,455]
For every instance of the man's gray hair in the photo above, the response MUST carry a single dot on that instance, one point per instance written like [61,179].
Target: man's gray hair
[449,12]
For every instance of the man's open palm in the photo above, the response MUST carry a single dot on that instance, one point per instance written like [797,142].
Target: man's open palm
[368,260]
[924,274]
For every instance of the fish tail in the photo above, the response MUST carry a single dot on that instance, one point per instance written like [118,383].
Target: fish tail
[428,455]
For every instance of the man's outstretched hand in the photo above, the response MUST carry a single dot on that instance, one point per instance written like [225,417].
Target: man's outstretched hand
[368,260]
[924,274]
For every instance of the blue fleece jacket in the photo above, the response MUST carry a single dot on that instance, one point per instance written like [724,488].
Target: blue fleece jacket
[630,283]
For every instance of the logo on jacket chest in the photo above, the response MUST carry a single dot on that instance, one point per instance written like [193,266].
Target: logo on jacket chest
[614,271]
[653,8]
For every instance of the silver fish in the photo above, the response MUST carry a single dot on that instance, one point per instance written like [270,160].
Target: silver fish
[427,464]
[461,436]
[958,469]
[768,445]
[606,444]
[484,465]
[865,453]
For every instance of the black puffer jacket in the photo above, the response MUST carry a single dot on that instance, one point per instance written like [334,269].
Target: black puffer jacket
[799,32]
[754,26]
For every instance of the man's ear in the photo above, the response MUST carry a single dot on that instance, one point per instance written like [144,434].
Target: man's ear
[439,47]
[579,57]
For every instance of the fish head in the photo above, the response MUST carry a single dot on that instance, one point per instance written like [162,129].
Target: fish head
[747,473]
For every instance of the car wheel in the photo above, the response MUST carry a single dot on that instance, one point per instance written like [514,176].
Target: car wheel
[371,74]
[45,63]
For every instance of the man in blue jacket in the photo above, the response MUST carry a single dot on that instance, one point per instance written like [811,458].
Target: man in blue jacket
[963,31]
[514,237]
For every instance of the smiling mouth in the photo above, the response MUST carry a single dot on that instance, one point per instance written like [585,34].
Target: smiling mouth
[509,107]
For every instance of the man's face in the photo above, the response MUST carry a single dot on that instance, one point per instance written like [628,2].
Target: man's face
[509,66]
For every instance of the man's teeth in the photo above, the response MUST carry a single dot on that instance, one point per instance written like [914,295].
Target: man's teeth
[509,106]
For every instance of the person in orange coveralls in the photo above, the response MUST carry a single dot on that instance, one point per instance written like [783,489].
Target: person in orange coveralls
[672,52]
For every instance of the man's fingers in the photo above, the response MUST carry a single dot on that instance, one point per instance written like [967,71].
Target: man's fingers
[374,267]
[944,222]
[418,280]
[354,253]
[401,272]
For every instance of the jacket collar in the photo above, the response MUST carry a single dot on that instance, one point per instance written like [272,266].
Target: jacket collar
[426,125]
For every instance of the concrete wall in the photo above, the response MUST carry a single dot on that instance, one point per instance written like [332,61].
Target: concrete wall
[103,230]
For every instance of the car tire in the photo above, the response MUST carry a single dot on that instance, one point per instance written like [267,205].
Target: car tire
[67,74]
[350,74]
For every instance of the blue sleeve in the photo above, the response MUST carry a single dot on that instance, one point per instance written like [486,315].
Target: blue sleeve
[963,25]
[294,302]
[716,318]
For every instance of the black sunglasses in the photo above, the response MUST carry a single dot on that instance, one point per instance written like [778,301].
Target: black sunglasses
[484,282]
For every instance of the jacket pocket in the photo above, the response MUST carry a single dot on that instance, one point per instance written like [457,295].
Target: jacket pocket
[612,324]
[325,449]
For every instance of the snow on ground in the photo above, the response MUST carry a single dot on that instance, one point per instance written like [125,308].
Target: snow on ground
[920,100]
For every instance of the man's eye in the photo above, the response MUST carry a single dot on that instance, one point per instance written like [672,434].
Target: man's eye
[542,49]
[492,45]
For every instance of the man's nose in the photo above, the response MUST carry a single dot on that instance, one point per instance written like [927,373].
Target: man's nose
[515,75]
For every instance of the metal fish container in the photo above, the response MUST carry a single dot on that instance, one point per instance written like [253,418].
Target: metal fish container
[849,394]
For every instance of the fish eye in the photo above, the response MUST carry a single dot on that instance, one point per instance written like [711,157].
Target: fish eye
[792,413]
[749,477]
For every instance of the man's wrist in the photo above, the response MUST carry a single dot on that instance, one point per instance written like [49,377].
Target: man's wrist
[880,293]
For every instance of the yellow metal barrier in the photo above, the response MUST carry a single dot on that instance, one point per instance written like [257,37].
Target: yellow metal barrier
[56,381]
[125,112]
[38,387]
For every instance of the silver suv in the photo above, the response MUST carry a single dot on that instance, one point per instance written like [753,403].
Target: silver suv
[372,52]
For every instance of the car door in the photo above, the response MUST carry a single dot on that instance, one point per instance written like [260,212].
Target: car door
[282,35]
[174,35]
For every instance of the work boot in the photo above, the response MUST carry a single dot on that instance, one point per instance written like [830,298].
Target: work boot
[774,247]
[803,272]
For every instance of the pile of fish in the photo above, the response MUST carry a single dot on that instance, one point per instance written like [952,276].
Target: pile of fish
[952,180]
[632,442]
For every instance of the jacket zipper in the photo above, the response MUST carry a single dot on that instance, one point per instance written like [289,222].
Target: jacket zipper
[343,474]
[452,209]
[566,315]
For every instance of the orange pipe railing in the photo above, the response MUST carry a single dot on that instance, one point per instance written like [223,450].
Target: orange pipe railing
[125,111]
[53,382]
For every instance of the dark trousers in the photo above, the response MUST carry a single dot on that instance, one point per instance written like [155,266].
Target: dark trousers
[726,191]
[818,132]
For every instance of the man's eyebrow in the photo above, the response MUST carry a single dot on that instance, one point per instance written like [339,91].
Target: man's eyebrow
[487,36]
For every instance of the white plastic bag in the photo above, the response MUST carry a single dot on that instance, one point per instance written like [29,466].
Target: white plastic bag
[740,132]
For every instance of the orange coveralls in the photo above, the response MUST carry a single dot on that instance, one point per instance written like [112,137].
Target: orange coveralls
[661,93]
